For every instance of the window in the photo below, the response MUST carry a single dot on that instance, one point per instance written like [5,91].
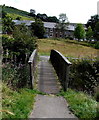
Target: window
[51,35]
[51,30]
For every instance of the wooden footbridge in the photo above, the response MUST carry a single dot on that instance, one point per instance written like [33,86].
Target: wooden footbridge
[49,69]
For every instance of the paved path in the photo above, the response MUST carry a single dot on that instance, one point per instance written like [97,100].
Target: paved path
[49,106]
[47,78]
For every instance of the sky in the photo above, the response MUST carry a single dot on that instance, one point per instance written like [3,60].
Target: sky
[77,11]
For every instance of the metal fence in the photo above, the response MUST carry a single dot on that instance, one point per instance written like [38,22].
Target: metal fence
[61,65]
[32,64]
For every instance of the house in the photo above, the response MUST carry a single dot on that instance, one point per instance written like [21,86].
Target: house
[51,30]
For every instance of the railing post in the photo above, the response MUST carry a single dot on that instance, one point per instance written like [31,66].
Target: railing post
[31,83]
[67,77]
[32,63]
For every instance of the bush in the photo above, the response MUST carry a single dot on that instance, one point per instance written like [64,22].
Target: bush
[97,93]
[96,45]
[16,77]
[18,47]
[37,28]
[84,75]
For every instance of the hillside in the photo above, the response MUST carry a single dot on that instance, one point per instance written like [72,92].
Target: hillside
[14,13]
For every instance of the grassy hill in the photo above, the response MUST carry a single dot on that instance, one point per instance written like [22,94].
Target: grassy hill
[14,13]
[69,48]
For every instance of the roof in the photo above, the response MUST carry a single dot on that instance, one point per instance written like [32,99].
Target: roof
[71,26]
[26,22]
[49,25]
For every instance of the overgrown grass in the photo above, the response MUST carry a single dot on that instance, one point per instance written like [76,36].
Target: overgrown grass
[67,48]
[93,44]
[82,105]
[17,104]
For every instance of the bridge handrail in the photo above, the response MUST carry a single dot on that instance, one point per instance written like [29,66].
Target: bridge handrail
[32,64]
[65,59]
[61,65]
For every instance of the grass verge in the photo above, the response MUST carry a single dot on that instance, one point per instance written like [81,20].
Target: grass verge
[82,105]
[17,104]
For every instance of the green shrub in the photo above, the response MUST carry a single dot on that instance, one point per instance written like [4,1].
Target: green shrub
[18,47]
[97,93]
[16,77]
[96,45]
[84,75]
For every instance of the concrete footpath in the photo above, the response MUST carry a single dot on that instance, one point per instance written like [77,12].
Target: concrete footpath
[49,106]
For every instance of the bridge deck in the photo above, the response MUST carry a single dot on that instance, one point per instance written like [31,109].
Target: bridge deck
[47,82]
[49,106]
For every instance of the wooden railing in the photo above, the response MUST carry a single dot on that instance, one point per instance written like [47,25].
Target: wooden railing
[61,65]
[32,64]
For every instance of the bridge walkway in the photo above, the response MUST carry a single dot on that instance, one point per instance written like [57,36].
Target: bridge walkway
[49,106]
[47,79]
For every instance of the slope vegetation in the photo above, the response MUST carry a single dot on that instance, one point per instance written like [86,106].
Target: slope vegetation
[14,13]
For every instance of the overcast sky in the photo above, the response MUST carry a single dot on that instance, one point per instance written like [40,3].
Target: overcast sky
[77,11]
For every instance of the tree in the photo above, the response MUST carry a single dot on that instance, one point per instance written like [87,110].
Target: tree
[38,28]
[96,32]
[63,18]
[3,14]
[53,19]
[62,25]
[79,32]
[43,17]
[24,42]
[32,13]
[8,24]
[20,45]
[89,34]
[18,18]
[92,22]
